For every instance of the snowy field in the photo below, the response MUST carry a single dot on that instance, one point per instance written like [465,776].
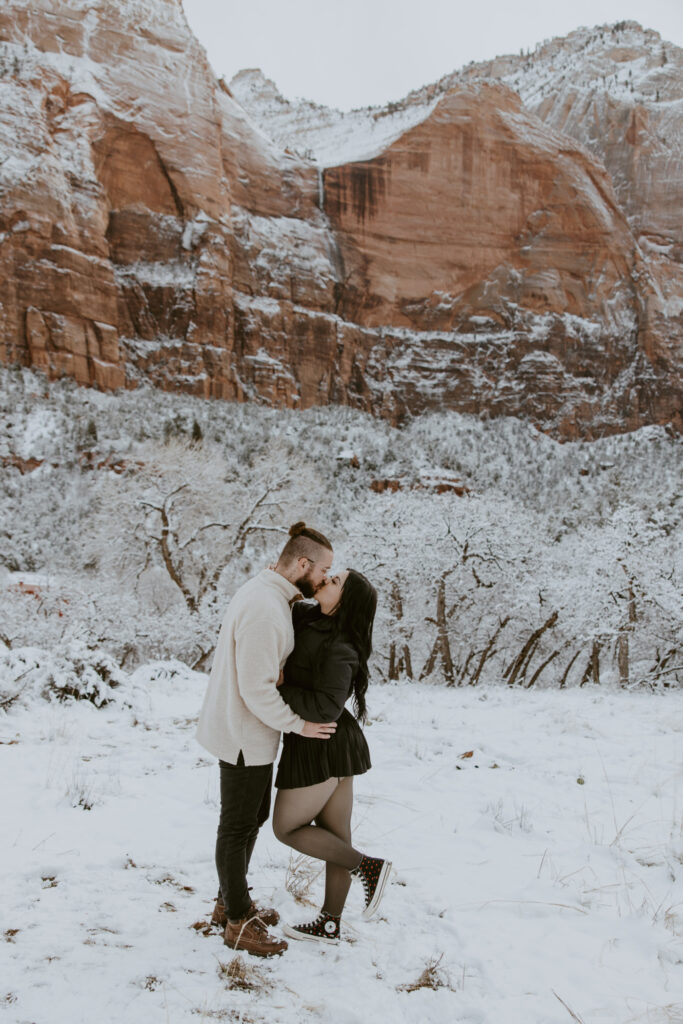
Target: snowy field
[537,881]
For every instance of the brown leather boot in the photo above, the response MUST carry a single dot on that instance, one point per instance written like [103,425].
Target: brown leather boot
[251,935]
[268,915]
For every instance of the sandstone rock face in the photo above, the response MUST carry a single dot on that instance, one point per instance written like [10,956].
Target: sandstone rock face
[116,203]
[618,90]
[503,242]
[531,250]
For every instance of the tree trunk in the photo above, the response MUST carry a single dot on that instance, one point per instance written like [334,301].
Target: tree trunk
[393,662]
[622,639]
[521,663]
[563,680]
[632,616]
[463,671]
[442,645]
[593,666]
[622,657]
[540,669]
[202,662]
[403,662]
[171,568]
[488,651]
[595,662]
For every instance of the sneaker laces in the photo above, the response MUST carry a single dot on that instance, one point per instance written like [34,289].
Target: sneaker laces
[359,873]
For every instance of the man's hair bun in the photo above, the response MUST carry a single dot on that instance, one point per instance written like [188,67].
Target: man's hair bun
[303,542]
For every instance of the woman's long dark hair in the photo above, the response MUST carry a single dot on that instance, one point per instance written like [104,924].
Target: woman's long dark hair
[353,620]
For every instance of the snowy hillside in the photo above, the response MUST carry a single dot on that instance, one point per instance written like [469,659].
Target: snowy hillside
[500,554]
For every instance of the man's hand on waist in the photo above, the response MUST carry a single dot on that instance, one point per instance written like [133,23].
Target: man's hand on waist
[318,730]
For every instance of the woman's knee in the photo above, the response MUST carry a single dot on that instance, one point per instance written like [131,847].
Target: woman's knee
[281,830]
[340,830]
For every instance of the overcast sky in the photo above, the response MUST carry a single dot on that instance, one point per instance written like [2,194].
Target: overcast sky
[351,53]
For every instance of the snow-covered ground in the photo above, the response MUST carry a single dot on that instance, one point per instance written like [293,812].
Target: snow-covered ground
[538,880]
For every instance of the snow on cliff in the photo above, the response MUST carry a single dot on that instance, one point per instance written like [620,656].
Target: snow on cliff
[624,61]
[330,137]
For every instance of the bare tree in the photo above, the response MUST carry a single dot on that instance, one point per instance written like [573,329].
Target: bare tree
[185,562]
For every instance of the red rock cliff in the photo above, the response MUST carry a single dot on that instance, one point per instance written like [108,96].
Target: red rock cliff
[472,257]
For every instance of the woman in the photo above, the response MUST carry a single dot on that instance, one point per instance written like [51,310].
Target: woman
[333,642]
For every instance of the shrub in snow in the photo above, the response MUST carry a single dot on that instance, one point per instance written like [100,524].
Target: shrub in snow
[80,792]
[158,691]
[163,677]
[78,673]
[84,674]
[433,976]
[18,670]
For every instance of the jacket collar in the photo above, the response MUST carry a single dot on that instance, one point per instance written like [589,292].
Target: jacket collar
[274,579]
[317,620]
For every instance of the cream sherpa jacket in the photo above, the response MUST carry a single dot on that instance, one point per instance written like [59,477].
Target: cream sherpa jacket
[243,709]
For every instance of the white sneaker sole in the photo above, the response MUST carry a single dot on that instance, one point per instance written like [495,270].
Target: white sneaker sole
[293,933]
[379,891]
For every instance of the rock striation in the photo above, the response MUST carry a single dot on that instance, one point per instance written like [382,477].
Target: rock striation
[503,242]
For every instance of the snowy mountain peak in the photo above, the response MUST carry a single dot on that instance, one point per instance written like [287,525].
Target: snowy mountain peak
[251,84]
[618,58]
[324,134]
[606,57]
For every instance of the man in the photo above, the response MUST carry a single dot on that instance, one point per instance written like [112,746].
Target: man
[242,717]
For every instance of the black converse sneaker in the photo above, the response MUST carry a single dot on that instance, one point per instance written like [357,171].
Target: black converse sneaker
[325,928]
[373,873]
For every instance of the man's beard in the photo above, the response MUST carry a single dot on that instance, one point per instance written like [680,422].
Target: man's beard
[306,586]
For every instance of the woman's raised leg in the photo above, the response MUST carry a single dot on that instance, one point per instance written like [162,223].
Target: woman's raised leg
[294,811]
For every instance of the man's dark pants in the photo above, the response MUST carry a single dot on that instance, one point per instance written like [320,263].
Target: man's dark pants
[245,806]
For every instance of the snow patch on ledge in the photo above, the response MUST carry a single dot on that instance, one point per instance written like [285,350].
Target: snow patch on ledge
[159,274]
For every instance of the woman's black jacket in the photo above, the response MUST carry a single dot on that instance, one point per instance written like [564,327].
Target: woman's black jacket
[319,672]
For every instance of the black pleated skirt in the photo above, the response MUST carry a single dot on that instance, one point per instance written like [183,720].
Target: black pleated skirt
[305,762]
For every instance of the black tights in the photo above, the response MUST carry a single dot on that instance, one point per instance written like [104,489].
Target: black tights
[329,804]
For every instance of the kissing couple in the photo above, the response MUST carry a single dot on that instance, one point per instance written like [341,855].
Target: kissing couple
[283,665]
